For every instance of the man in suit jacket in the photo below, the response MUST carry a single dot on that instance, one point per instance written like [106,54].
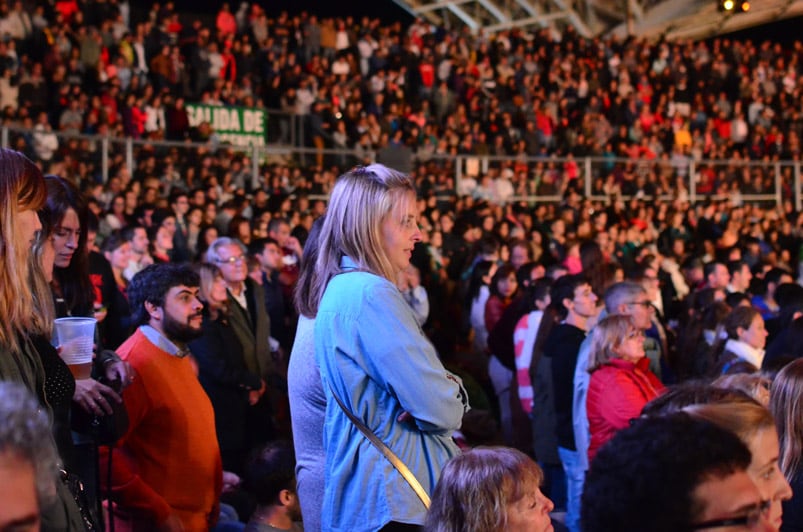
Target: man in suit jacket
[250,322]
[180,204]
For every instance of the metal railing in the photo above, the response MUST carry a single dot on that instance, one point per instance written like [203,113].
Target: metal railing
[537,179]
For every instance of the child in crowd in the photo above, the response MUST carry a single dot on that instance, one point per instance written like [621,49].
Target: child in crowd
[271,479]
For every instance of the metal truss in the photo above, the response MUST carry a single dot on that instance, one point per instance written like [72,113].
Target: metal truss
[673,19]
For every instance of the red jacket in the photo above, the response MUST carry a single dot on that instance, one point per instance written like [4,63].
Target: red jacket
[616,394]
[494,308]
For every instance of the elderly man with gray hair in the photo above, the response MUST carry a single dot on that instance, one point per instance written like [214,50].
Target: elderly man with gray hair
[249,319]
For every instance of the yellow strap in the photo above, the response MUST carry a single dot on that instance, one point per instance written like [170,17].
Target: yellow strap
[400,466]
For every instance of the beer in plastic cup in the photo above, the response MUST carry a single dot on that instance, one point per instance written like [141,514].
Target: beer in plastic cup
[76,338]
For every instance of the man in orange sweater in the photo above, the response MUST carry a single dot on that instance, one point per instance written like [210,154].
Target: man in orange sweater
[166,469]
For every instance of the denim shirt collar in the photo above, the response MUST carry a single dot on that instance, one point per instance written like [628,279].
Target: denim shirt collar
[347,263]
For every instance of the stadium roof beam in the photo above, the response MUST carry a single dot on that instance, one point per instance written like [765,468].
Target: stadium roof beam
[493,10]
[528,7]
[539,19]
[499,15]
[579,24]
[462,15]
[635,9]
[425,8]
[429,10]
[701,27]
[672,19]
[692,19]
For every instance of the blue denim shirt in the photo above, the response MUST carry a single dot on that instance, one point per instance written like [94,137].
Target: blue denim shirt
[374,356]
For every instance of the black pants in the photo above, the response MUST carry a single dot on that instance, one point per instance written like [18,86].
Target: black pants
[86,468]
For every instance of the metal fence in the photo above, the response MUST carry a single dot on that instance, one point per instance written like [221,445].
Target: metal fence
[536,179]
[660,179]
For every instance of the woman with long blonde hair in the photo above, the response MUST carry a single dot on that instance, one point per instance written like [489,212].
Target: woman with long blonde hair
[26,308]
[375,362]
[22,193]
[786,404]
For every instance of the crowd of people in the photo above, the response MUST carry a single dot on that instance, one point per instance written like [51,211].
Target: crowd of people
[239,311]
[204,387]
[111,68]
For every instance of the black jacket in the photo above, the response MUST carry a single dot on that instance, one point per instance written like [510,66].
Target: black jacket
[562,346]
[226,380]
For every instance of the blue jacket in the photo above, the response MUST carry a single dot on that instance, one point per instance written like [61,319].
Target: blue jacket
[374,356]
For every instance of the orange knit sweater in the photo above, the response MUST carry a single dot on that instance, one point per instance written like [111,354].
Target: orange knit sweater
[168,460]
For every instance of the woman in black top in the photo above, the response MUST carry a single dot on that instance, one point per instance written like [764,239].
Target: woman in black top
[117,251]
[232,387]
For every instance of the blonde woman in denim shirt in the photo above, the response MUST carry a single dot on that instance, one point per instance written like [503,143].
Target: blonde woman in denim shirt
[374,356]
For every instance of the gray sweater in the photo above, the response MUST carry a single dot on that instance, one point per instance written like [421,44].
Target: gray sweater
[307,411]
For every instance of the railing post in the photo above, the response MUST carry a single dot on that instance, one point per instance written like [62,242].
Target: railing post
[798,202]
[129,156]
[458,173]
[778,185]
[692,183]
[105,159]
[4,137]
[256,152]
[588,179]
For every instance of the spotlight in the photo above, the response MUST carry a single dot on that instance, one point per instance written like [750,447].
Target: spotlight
[734,6]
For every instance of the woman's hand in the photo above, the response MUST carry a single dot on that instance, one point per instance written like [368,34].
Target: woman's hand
[255,395]
[230,481]
[95,397]
[119,371]
[293,244]
[100,313]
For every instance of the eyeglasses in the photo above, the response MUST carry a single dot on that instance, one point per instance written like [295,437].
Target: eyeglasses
[231,260]
[749,519]
[645,304]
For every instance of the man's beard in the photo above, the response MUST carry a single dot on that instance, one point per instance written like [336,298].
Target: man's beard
[180,332]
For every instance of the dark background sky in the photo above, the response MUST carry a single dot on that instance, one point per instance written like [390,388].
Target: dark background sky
[387,10]
[783,31]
